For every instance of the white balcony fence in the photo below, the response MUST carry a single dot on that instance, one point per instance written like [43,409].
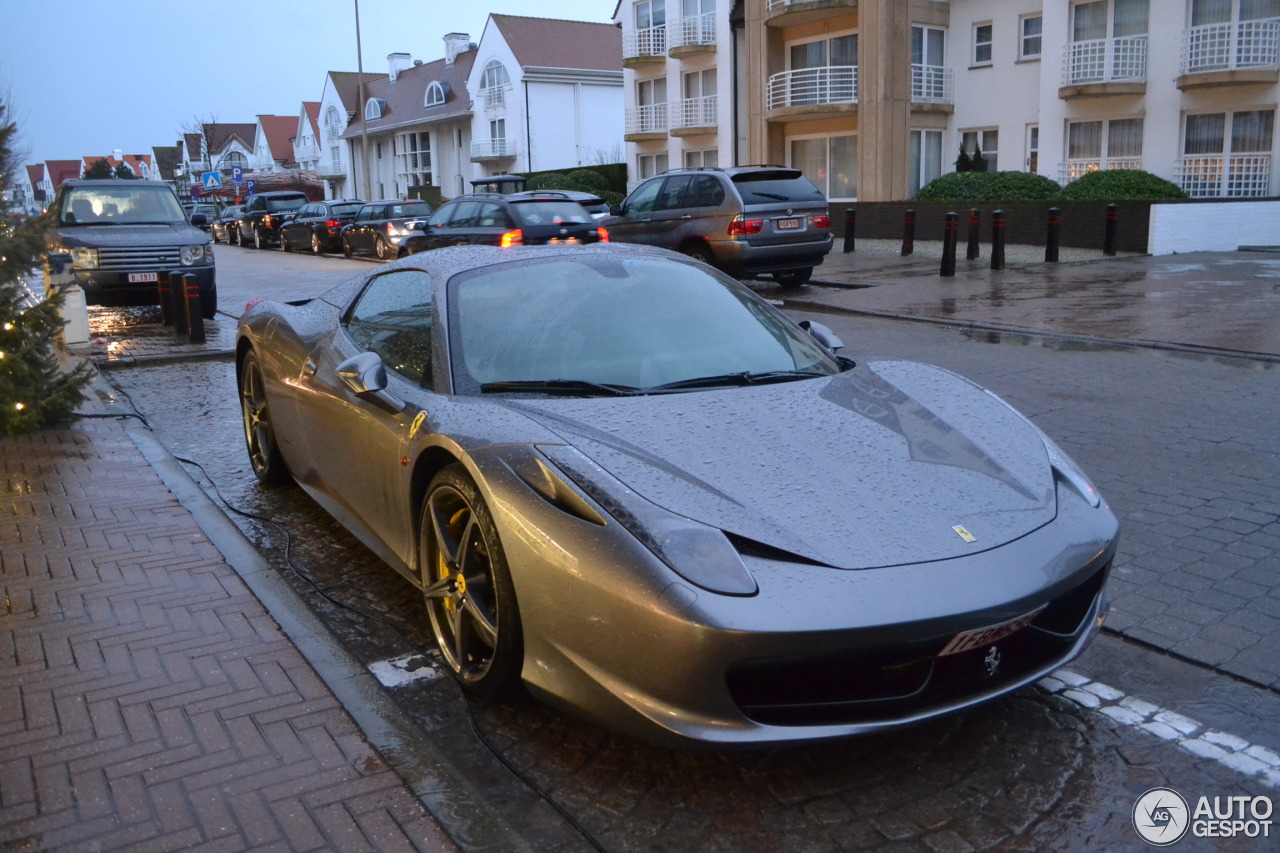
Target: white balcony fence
[1073,169]
[1225,175]
[1239,44]
[832,84]
[650,41]
[694,112]
[497,147]
[777,6]
[1105,61]
[694,30]
[648,119]
[494,97]
[932,84]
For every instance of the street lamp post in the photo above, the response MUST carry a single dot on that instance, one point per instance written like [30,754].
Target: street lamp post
[364,125]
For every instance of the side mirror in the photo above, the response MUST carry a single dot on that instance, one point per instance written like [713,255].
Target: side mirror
[198,219]
[615,210]
[366,376]
[822,334]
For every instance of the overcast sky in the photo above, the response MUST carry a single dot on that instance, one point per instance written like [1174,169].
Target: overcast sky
[84,78]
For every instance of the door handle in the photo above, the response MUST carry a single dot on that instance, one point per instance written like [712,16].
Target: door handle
[687,216]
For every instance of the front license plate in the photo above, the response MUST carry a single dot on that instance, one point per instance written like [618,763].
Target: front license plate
[788,224]
[143,277]
[969,640]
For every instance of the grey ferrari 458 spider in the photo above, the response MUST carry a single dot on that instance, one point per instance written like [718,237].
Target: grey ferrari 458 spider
[628,484]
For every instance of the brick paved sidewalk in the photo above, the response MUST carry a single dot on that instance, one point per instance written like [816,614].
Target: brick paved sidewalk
[147,699]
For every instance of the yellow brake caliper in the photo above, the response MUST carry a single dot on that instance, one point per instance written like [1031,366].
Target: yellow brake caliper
[451,602]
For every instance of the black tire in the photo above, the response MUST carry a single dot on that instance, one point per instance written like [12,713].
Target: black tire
[384,250]
[259,239]
[259,431]
[317,245]
[346,248]
[793,278]
[284,243]
[467,589]
[233,236]
[701,253]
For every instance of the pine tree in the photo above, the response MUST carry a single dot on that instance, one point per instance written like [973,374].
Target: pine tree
[99,168]
[34,392]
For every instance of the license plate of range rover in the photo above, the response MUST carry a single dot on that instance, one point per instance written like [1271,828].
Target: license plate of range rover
[143,277]
[793,224]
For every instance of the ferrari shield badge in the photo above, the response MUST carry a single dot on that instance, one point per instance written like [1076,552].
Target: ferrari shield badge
[964,533]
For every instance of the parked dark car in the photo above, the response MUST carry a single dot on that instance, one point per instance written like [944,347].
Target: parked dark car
[747,220]
[225,229]
[124,238]
[264,213]
[379,227]
[318,224]
[533,218]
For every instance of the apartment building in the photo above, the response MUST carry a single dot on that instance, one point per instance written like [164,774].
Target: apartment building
[873,99]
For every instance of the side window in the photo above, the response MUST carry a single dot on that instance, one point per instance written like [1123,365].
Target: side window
[490,216]
[644,198]
[365,214]
[705,191]
[672,197]
[442,216]
[393,319]
[464,215]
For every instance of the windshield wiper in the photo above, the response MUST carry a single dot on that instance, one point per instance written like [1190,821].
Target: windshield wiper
[745,378]
[769,195]
[558,386]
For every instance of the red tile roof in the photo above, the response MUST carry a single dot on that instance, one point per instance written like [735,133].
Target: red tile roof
[548,43]
[61,170]
[280,131]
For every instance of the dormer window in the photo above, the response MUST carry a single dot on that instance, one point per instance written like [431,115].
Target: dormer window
[437,92]
[373,109]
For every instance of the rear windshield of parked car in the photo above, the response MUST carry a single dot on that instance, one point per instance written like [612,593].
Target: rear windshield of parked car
[415,208]
[350,208]
[286,203]
[785,185]
[120,205]
[550,212]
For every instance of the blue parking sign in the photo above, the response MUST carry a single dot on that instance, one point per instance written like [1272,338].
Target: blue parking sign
[237,175]
[252,186]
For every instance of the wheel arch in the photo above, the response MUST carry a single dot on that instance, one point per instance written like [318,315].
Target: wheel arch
[431,461]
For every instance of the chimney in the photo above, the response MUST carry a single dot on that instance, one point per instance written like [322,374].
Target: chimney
[398,62]
[454,44]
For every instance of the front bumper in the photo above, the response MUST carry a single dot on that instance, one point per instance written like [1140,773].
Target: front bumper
[112,288]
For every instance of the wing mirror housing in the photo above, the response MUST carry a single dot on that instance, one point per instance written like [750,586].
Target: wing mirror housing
[822,335]
[366,377]
[615,210]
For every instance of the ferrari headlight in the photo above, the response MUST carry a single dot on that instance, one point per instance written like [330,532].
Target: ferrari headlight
[697,552]
[84,258]
[192,255]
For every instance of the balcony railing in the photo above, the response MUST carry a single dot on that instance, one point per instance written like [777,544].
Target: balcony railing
[497,147]
[1223,47]
[650,41]
[494,97]
[1105,61]
[776,7]
[1225,175]
[648,119]
[694,112]
[694,30]
[832,84]
[328,168]
[932,84]
[1073,169]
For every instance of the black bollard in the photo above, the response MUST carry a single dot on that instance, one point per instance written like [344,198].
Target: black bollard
[950,233]
[1051,240]
[178,301]
[166,301]
[975,221]
[908,233]
[195,311]
[1109,240]
[850,226]
[997,239]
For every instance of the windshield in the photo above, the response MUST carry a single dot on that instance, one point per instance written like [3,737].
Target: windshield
[780,185]
[635,322]
[126,204]
[551,213]
[278,204]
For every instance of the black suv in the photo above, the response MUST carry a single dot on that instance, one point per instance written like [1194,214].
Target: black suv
[534,218]
[746,220]
[263,213]
[124,238]
[379,227]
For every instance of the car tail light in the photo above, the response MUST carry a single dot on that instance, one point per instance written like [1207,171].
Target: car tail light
[252,302]
[266,220]
[391,228]
[333,223]
[739,227]
[603,234]
[821,220]
[513,238]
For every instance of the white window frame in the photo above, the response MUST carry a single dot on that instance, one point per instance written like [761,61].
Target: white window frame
[434,88]
[1033,149]
[920,178]
[981,45]
[408,146]
[655,163]
[981,136]
[824,184]
[373,109]
[1024,53]
[701,158]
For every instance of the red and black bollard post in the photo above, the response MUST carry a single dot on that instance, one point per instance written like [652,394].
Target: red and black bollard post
[1052,238]
[975,221]
[850,227]
[166,300]
[950,234]
[178,301]
[908,233]
[1109,239]
[195,311]
[997,239]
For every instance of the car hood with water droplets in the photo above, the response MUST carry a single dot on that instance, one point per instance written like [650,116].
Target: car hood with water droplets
[877,466]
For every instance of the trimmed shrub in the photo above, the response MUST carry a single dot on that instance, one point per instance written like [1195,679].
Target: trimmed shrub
[588,181]
[548,181]
[988,186]
[1120,185]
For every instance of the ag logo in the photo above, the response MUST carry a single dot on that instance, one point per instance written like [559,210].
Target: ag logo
[1161,816]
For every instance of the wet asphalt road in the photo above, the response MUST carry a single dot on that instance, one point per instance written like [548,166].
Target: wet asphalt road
[1033,771]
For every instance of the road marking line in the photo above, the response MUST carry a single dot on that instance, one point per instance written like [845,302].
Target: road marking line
[406,669]
[1190,735]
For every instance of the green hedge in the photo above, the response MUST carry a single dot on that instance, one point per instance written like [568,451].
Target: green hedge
[1120,185]
[609,182]
[1109,185]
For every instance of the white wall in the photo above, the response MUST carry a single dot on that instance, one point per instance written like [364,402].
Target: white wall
[1213,227]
